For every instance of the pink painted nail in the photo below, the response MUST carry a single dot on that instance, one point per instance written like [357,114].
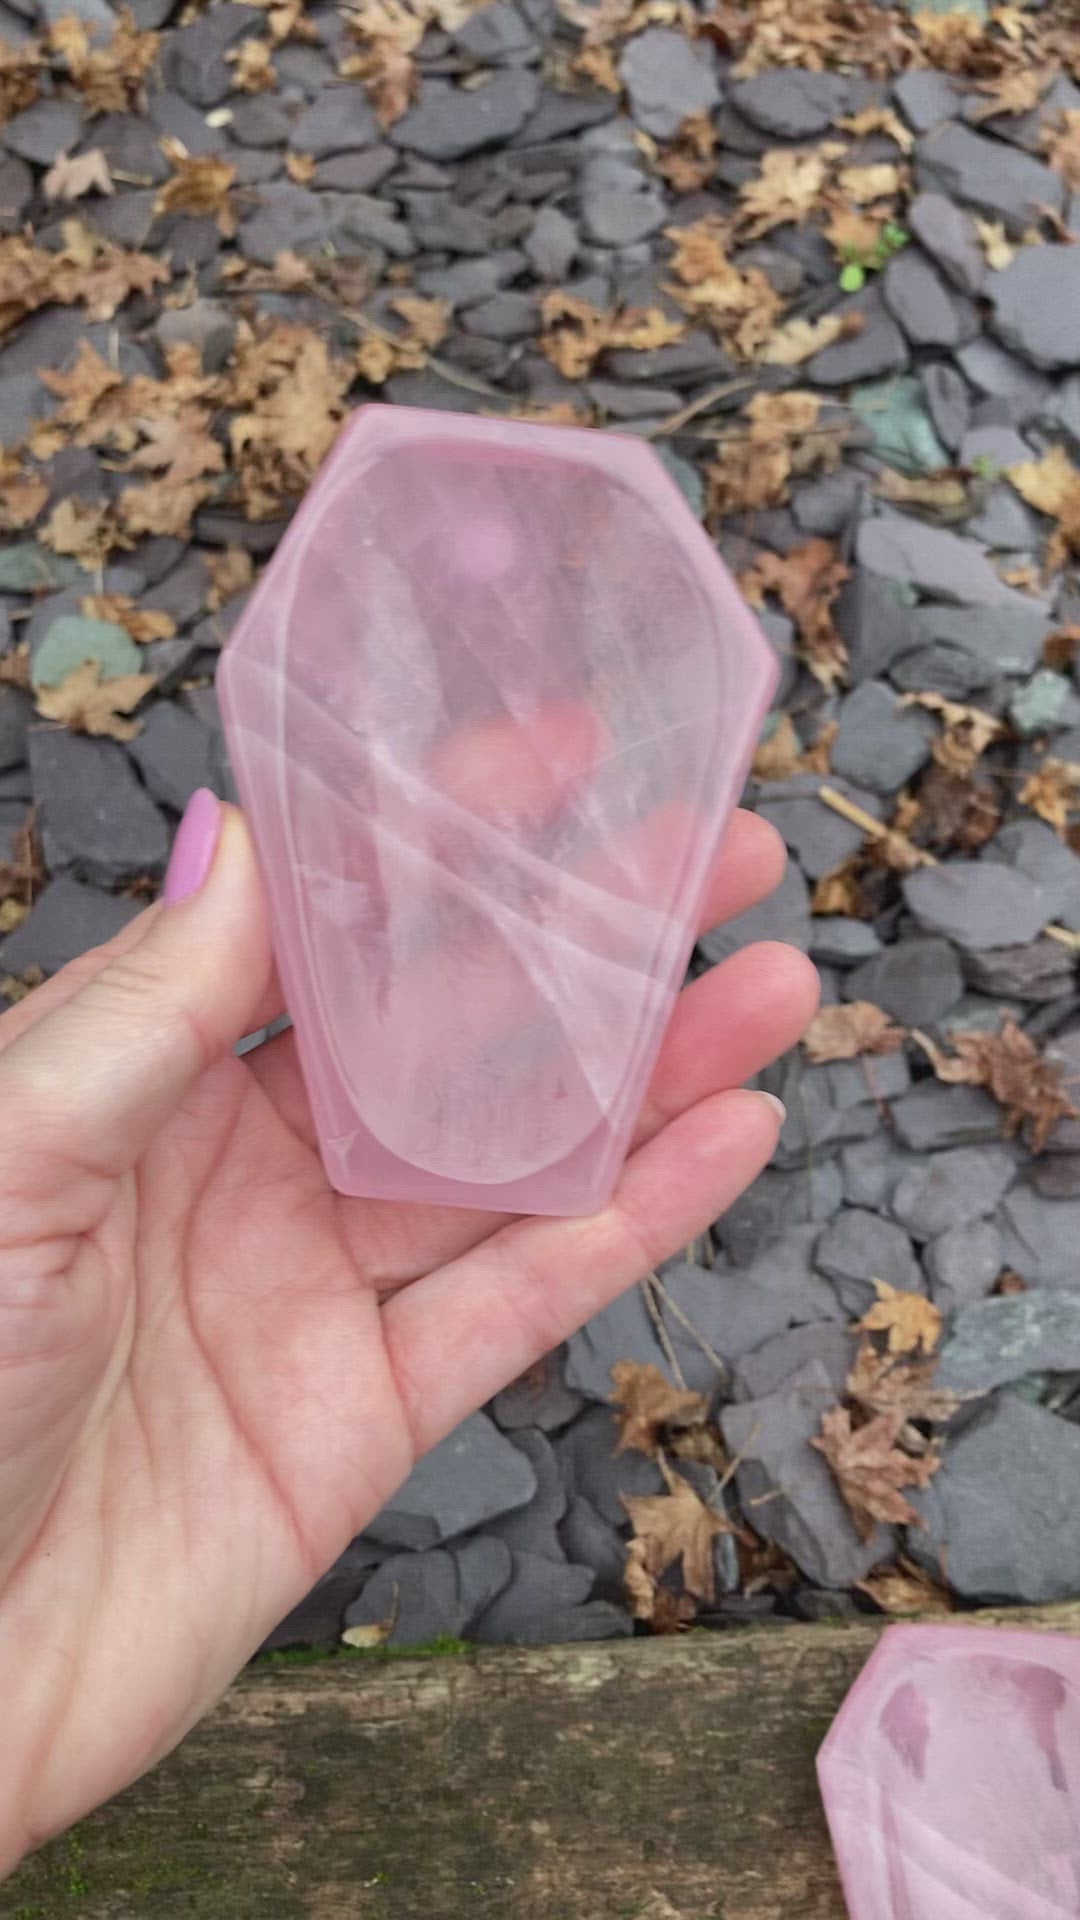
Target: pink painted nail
[194,847]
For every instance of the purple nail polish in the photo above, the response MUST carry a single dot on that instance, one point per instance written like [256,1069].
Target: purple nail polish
[194,847]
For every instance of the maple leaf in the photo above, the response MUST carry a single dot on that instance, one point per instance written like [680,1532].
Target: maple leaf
[1061,145]
[427,322]
[905,1589]
[200,184]
[300,167]
[142,623]
[789,187]
[162,507]
[1015,92]
[999,250]
[797,340]
[841,891]
[945,495]
[21,69]
[870,1469]
[253,66]
[677,1525]
[231,572]
[82,528]
[72,175]
[83,386]
[740,305]
[297,398]
[846,1031]
[389,32]
[779,755]
[878,182]
[1028,1087]
[690,162]
[1053,791]
[901,1384]
[878,120]
[86,703]
[23,493]
[1052,484]
[649,1404]
[806,582]
[85,270]
[910,1321]
[110,75]
[968,731]
[577,333]
[181,445]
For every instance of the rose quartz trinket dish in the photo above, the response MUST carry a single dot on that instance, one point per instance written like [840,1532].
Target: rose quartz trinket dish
[951,1777]
[489,711]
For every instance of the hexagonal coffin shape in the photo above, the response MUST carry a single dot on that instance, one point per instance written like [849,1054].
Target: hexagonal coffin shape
[951,1777]
[489,711]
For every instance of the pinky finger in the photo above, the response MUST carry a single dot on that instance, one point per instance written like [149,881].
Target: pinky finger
[460,1334]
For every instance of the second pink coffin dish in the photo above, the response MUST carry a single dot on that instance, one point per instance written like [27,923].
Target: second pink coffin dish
[489,709]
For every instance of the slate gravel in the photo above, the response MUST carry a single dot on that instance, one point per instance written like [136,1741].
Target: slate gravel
[509,179]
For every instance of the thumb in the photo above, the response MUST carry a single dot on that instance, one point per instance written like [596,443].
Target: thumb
[94,1080]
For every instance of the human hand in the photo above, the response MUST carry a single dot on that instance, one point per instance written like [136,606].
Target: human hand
[214,1370]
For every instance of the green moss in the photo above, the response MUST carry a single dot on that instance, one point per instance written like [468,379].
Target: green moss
[76,1882]
[442,1647]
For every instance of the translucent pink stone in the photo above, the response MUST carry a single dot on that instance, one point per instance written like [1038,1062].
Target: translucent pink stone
[951,1777]
[489,711]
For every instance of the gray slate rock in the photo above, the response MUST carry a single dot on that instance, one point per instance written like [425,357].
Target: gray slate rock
[858,1248]
[785,915]
[1041,1238]
[16,716]
[1008,639]
[592,1469]
[545,1603]
[827,506]
[791,102]
[880,743]
[934,1116]
[963,1264]
[976,903]
[737,1308]
[840,942]
[1001,1518]
[98,823]
[932,559]
[950,236]
[957,1187]
[317,1619]
[920,302]
[175,754]
[469,1478]
[880,348]
[16,188]
[925,98]
[994,1341]
[769,1367]
[876,623]
[193,58]
[286,218]
[948,401]
[552,245]
[427,1595]
[872,1170]
[982,172]
[591,1541]
[799,1506]
[917,982]
[776,1202]
[533,1528]
[666,78]
[1043,970]
[339,121]
[1036,299]
[206,324]
[447,123]
[621,216]
[48,128]
[820,837]
[67,919]
[1004,379]
[539,1398]
[625,1331]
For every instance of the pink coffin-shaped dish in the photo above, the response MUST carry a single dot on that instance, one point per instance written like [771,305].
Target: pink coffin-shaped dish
[489,711]
[951,1777]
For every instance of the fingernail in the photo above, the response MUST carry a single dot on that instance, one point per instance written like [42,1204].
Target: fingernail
[194,847]
[777,1105]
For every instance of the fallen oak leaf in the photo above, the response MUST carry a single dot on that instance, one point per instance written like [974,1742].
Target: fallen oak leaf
[910,1321]
[1029,1088]
[677,1525]
[85,703]
[871,1471]
[649,1404]
[849,1030]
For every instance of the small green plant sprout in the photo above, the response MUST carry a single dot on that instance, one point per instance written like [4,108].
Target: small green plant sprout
[859,261]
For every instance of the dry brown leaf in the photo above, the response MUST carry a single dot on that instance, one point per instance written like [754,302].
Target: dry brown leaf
[598,65]
[740,305]
[677,1525]
[999,250]
[72,175]
[878,120]
[846,1031]
[841,892]
[231,571]
[293,394]
[778,757]
[945,495]
[389,33]
[870,1469]
[21,69]
[968,731]
[80,389]
[855,232]
[82,528]
[142,623]
[1053,791]
[110,75]
[1061,145]
[806,582]
[878,182]
[902,1385]
[85,270]
[1027,1087]
[911,1322]
[789,187]
[201,183]
[300,167]
[905,1589]
[179,446]
[252,63]
[162,507]
[86,703]
[1061,647]
[690,162]
[577,333]
[797,340]
[649,1405]
[1015,92]
[1052,485]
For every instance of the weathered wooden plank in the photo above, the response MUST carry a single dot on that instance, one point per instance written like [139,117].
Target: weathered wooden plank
[652,1780]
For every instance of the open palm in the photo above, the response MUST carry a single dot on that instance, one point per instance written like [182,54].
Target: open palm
[213,1369]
